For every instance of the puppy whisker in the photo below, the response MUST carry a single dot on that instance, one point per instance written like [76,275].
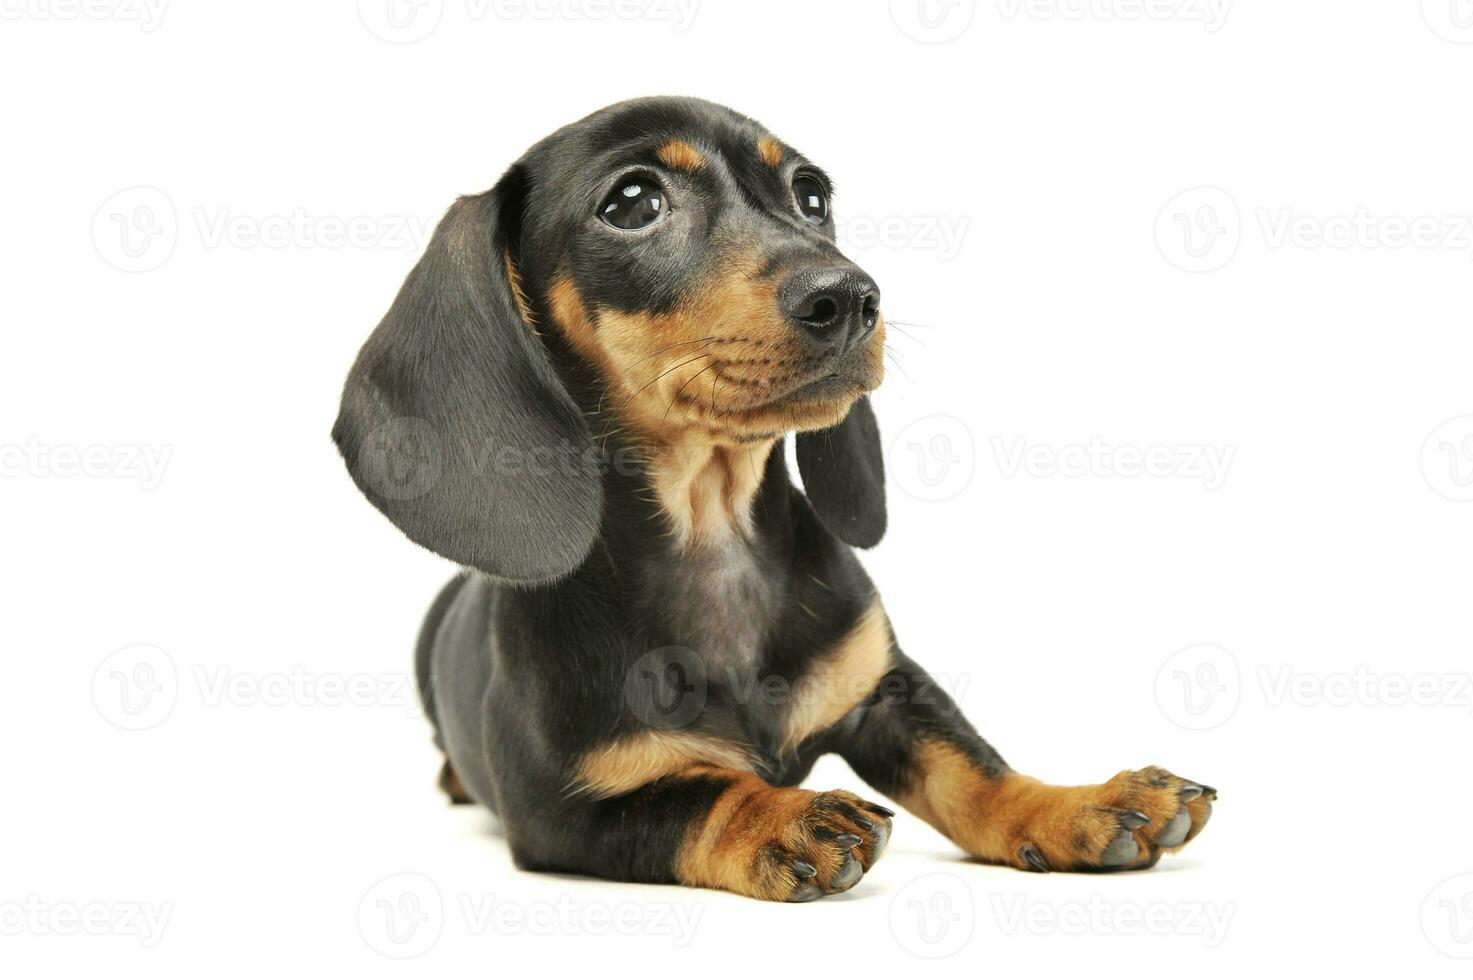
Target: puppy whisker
[894,359]
[676,396]
[683,343]
[657,377]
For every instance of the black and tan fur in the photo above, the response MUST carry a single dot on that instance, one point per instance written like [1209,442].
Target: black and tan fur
[656,633]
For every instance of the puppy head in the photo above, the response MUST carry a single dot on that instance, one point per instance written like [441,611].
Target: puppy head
[681,253]
[688,255]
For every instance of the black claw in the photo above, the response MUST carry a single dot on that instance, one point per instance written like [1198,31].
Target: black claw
[865,824]
[804,870]
[1133,819]
[848,840]
[881,810]
[1190,792]
[1209,792]
[1035,860]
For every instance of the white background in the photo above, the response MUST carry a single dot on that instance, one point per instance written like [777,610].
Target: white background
[1176,228]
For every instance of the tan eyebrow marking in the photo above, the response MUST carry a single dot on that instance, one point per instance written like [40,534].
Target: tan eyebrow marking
[680,155]
[770,150]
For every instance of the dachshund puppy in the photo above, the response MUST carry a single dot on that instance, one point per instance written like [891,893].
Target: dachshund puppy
[581,395]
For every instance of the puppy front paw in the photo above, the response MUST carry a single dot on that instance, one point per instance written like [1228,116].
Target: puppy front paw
[787,845]
[1125,823]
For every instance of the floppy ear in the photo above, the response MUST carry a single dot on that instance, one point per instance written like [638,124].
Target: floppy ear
[844,476]
[454,422]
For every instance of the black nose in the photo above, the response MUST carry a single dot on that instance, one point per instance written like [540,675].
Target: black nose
[836,306]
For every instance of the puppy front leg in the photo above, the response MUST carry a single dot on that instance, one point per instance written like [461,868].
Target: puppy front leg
[912,743]
[723,828]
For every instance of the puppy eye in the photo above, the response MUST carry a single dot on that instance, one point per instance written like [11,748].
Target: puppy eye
[635,204]
[811,198]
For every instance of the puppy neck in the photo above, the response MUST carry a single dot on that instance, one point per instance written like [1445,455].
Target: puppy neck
[703,480]
[704,487]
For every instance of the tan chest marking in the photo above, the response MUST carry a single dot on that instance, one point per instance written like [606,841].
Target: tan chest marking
[841,678]
[706,489]
[626,764]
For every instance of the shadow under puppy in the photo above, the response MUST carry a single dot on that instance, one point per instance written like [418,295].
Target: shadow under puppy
[580,395]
